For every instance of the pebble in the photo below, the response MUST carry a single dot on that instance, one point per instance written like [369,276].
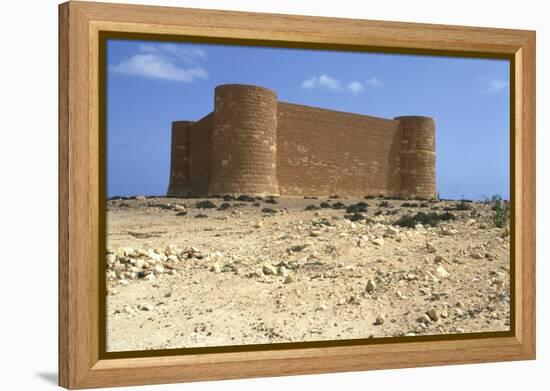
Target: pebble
[111,259]
[442,272]
[216,268]
[159,269]
[430,247]
[145,307]
[505,232]
[378,241]
[379,320]
[391,232]
[269,269]
[371,286]
[411,276]
[433,314]
[477,255]
[149,277]
[289,279]
[447,231]
[424,319]
[498,278]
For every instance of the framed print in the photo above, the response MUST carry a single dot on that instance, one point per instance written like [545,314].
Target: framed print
[247,195]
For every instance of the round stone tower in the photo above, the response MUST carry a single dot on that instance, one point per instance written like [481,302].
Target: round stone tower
[244,141]
[179,162]
[417,156]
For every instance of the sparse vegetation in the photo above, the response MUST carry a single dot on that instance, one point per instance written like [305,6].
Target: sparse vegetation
[356,217]
[463,205]
[206,204]
[311,207]
[338,205]
[359,207]
[269,211]
[224,206]
[384,204]
[246,198]
[431,219]
[500,211]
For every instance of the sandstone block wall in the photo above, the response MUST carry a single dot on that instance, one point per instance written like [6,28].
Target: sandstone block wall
[253,144]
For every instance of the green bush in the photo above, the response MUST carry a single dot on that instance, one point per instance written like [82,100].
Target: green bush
[500,211]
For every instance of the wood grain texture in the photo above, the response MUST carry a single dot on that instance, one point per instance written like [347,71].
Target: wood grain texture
[79,168]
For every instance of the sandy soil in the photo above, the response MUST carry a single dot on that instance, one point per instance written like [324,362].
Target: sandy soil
[181,276]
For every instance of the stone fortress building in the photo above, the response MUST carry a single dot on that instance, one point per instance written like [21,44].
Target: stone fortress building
[253,144]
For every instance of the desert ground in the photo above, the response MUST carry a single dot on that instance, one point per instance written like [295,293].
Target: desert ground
[187,272]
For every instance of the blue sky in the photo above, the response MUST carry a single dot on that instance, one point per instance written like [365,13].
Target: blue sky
[150,84]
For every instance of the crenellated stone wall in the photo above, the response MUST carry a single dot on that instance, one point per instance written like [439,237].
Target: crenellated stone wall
[253,144]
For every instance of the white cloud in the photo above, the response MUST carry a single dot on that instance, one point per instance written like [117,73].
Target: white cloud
[492,84]
[165,62]
[323,81]
[310,84]
[154,66]
[374,82]
[496,85]
[355,87]
[186,54]
[329,83]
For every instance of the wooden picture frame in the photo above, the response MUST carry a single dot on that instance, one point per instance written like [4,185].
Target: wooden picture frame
[81,25]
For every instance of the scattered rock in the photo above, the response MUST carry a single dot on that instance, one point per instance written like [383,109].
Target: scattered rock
[269,270]
[146,307]
[379,320]
[424,319]
[441,272]
[179,208]
[391,232]
[149,277]
[378,241]
[371,286]
[448,231]
[433,314]
[430,247]
[505,232]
